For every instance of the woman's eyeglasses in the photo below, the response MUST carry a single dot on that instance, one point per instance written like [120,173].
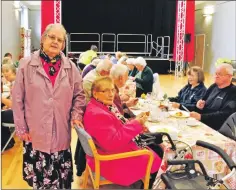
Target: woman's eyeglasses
[108,90]
[53,38]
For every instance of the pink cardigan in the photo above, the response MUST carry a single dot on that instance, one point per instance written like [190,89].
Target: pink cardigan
[111,137]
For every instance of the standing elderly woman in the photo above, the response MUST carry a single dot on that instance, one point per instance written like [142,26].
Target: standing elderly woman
[144,78]
[47,99]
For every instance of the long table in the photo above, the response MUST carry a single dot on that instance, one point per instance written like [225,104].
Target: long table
[212,161]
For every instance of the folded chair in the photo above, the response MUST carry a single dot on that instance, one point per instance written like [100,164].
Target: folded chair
[10,125]
[90,149]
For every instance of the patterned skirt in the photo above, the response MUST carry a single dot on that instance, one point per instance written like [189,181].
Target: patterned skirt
[47,171]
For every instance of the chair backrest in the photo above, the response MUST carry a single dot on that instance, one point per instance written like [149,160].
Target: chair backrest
[84,138]
[229,127]
[11,125]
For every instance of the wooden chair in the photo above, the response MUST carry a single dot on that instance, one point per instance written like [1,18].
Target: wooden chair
[90,149]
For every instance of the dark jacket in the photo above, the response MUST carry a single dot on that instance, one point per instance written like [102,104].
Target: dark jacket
[146,79]
[220,104]
[189,97]
[133,72]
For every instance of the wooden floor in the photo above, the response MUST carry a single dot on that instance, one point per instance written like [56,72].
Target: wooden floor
[12,159]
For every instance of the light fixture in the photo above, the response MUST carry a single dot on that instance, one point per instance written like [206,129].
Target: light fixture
[208,10]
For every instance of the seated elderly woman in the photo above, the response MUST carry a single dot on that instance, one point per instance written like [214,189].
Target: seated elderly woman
[144,78]
[132,69]
[118,55]
[113,134]
[90,67]
[123,60]
[9,73]
[192,92]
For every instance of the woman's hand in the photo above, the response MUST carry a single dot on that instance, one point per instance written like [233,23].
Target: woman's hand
[142,118]
[175,105]
[77,122]
[26,137]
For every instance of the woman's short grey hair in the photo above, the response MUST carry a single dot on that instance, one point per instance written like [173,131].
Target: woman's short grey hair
[130,61]
[140,61]
[9,67]
[7,60]
[228,67]
[95,61]
[50,27]
[118,70]
[122,59]
[104,65]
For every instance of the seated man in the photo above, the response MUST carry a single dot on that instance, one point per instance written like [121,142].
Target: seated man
[103,69]
[219,101]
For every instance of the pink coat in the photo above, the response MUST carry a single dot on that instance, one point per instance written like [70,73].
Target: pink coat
[45,111]
[112,137]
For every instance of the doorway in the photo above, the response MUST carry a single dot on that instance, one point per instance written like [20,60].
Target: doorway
[199,50]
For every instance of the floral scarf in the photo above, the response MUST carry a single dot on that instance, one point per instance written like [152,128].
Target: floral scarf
[54,63]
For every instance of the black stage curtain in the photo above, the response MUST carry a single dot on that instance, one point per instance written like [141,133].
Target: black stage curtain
[156,17]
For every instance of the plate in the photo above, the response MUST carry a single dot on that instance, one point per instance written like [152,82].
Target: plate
[153,121]
[193,125]
[135,108]
[176,114]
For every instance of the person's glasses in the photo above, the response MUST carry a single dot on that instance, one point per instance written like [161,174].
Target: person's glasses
[220,74]
[108,90]
[53,38]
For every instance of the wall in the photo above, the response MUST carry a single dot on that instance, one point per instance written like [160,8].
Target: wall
[10,29]
[223,35]
[219,30]
[35,25]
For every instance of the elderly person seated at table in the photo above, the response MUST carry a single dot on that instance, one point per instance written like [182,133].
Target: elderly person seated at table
[113,133]
[114,59]
[9,73]
[131,65]
[119,74]
[189,95]
[144,78]
[122,60]
[90,67]
[219,101]
[103,69]
[6,60]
